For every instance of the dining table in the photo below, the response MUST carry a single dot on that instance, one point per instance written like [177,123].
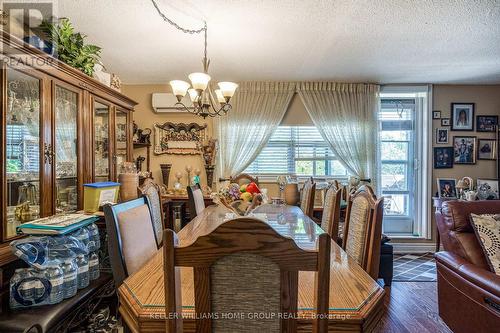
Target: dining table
[355,299]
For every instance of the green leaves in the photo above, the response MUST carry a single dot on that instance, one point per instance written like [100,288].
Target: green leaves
[71,47]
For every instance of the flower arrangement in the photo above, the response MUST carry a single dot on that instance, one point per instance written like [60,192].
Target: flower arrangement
[240,199]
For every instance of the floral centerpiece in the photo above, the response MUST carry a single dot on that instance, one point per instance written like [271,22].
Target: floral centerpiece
[242,200]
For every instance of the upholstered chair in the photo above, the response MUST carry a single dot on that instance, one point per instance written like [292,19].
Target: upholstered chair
[256,271]
[244,178]
[131,237]
[195,201]
[151,190]
[363,229]
[331,211]
[307,197]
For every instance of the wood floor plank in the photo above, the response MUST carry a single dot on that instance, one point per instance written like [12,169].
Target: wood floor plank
[412,307]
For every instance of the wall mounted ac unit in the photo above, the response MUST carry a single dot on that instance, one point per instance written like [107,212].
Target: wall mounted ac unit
[165,102]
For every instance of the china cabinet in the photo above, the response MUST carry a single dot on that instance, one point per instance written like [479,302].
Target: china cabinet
[59,130]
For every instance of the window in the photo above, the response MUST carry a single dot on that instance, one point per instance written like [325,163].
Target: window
[298,150]
[22,150]
[402,128]
[397,145]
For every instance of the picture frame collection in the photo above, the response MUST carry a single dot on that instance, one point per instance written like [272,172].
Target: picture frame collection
[486,188]
[464,149]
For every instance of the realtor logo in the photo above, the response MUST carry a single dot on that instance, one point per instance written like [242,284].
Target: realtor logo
[22,19]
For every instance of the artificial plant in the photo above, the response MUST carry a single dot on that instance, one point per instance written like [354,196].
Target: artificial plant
[70,47]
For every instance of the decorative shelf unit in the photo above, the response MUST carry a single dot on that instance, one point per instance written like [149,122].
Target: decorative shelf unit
[139,145]
[59,130]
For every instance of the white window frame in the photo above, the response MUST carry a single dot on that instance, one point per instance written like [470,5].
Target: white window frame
[422,228]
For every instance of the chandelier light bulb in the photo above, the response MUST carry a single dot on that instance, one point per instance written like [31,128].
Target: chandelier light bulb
[199,80]
[193,94]
[220,97]
[179,88]
[228,89]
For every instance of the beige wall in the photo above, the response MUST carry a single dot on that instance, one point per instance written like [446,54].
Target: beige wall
[487,100]
[145,117]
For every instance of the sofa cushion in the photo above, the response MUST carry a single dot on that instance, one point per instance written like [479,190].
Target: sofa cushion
[487,228]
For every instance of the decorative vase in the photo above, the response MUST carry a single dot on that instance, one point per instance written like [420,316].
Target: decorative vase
[209,169]
[292,194]
[165,172]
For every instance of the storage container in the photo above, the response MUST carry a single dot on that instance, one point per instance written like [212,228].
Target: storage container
[96,195]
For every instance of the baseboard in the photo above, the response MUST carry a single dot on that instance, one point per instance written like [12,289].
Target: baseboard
[413,247]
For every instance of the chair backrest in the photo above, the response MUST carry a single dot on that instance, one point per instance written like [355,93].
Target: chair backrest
[363,229]
[131,238]
[152,191]
[307,197]
[331,211]
[196,202]
[244,178]
[256,271]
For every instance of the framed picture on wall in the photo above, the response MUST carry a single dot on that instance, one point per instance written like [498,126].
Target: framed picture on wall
[443,157]
[464,149]
[486,149]
[436,114]
[445,121]
[447,187]
[462,116]
[486,123]
[441,136]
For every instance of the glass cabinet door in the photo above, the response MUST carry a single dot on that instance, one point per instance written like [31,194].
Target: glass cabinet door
[65,147]
[101,142]
[22,150]
[121,139]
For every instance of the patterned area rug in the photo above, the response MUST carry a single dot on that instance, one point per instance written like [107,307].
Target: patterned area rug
[414,268]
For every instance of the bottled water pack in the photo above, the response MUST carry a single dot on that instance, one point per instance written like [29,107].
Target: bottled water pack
[59,265]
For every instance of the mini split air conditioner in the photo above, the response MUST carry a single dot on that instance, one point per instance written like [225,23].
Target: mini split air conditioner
[165,102]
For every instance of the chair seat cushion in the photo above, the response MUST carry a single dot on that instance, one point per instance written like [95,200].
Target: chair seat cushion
[137,237]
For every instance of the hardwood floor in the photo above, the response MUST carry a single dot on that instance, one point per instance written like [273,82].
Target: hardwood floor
[412,307]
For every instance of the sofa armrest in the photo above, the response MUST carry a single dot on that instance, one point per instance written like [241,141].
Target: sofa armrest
[484,279]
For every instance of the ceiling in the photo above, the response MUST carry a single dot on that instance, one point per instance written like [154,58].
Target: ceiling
[384,41]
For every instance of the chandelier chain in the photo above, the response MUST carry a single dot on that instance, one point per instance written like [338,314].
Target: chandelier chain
[184,30]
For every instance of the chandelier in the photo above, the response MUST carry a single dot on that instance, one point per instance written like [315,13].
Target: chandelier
[205,104]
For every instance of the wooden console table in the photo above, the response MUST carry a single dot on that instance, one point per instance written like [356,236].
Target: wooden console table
[356,300]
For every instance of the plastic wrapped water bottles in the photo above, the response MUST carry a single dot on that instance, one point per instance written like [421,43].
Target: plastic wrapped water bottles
[54,275]
[94,239]
[70,271]
[82,235]
[93,266]
[28,287]
[59,265]
[82,278]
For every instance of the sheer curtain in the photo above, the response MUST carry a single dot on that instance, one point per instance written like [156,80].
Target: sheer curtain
[258,108]
[346,116]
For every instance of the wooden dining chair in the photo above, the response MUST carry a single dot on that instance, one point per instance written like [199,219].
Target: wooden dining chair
[331,212]
[245,266]
[196,202]
[307,197]
[152,191]
[131,237]
[363,229]
[244,178]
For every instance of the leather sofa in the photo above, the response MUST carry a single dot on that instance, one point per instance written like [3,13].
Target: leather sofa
[468,290]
